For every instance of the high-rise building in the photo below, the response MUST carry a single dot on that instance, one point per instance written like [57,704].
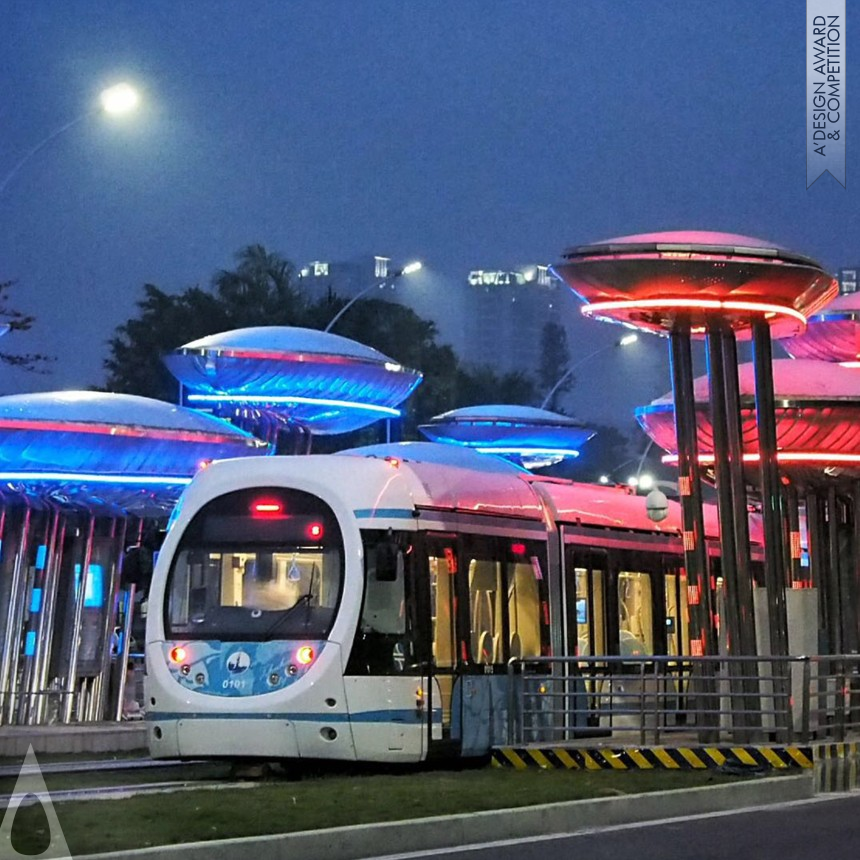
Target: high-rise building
[506,313]
[848,280]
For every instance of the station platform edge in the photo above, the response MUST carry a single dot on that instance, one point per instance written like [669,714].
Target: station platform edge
[692,757]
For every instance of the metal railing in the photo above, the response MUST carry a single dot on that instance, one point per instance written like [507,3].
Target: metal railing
[651,699]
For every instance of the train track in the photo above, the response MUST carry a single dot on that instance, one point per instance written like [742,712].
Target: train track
[123,792]
[96,766]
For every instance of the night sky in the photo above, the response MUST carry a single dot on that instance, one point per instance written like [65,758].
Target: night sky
[465,133]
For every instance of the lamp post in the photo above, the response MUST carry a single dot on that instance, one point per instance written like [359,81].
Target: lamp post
[115,100]
[406,270]
[624,341]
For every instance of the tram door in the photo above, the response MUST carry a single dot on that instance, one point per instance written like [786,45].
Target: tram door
[586,609]
[445,635]
[677,612]
[615,603]
[487,603]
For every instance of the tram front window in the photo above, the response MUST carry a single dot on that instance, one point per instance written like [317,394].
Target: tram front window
[241,576]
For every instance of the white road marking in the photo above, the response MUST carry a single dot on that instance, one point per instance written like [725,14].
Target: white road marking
[611,828]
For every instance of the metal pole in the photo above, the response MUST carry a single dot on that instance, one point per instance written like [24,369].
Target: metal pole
[33,630]
[772,504]
[855,567]
[746,616]
[702,639]
[71,679]
[817,566]
[793,506]
[689,487]
[725,499]
[834,608]
[126,647]
[847,566]
[12,631]
[726,506]
[49,612]
[110,616]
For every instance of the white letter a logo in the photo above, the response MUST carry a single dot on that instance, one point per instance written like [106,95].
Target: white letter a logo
[31,781]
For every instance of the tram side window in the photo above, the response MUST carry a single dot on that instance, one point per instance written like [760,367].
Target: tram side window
[635,618]
[590,613]
[442,601]
[677,614]
[384,641]
[524,609]
[486,600]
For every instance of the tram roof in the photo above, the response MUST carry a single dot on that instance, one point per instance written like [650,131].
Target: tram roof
[389,481]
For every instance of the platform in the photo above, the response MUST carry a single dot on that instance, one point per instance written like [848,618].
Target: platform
[104,737]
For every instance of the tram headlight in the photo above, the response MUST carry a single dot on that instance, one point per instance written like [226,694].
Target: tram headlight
[305,655]
[178,654]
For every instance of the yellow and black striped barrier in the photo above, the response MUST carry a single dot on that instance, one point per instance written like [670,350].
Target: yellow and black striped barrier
[653,758]
[831,751]
[837,766]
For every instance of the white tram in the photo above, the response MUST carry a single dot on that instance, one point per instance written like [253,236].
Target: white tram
[364,605]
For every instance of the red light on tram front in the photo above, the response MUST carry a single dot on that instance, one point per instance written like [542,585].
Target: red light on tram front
[518,548]
[305,655]
[178,654]
[267,508]
[315,531]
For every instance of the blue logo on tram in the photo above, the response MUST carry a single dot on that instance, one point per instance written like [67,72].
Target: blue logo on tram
[238,662]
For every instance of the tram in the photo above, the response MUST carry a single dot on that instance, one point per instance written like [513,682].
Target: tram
[364,605]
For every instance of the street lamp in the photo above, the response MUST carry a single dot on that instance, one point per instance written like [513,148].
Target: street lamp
[624,341]
[406,270]
[115,100]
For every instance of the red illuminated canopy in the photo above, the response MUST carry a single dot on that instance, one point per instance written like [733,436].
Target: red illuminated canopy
[817,413]
[649,280]
[832,335]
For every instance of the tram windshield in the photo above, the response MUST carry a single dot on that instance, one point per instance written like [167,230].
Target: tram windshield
[256,564]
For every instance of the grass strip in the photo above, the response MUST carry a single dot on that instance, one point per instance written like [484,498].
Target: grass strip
[330,801]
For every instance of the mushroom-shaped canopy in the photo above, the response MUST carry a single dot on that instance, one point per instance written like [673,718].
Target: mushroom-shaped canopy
[530,436]
[92,447]
[832,335]
[325,382]
[649,280]
[817,412]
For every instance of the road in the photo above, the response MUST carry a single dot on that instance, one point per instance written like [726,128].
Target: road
[827,827]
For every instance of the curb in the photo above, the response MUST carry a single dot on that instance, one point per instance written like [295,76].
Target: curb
[452,831]
[653,758]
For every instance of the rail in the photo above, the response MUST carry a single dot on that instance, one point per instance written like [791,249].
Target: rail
[650,700]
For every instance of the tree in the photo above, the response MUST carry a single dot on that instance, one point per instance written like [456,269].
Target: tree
[554,361]
[262,291]
[259,292]
[262,287]
[14,320]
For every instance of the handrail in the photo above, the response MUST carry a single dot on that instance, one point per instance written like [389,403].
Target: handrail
[794,698]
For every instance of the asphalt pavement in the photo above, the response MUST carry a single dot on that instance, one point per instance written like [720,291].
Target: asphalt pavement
[827,826]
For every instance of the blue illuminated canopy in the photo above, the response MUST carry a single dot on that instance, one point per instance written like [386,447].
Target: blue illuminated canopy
[91,448]
[322,381]
[529,436]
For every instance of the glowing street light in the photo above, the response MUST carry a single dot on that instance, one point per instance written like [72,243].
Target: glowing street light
[116,100]
[406,270]
[624,341]
[119,99]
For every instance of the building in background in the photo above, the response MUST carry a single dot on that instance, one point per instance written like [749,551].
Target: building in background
[506,313]
[847,280]
[496,316]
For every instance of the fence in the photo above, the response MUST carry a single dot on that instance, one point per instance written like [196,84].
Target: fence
[650,699]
